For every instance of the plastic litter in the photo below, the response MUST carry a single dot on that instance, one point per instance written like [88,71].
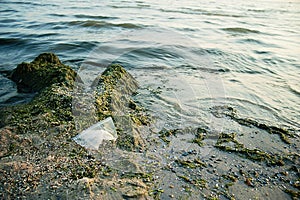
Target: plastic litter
[92,137]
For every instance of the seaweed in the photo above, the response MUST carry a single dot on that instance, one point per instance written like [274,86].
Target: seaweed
[191,164]
[252,154]
[294,194]
[41,130]
[164,134]
[196,182]
[232,113]
[199,136]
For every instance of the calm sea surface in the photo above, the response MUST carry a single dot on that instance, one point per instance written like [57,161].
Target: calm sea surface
[188,56]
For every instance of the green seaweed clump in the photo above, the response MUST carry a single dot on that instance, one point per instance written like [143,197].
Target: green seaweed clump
[294,194]
[232,113]
[114,88]
[191,164]
[199,136]
[253,154]
[196,182]
[164,134]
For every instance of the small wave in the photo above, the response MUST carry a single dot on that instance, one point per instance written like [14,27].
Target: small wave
[240,30]
[294,90]
[141,5]
[13,41]
[253,41]
[256,10]
[47,35]
[261,52]
[102,24]
[205,69]
[211,13]
[8,21]
[57,15]
[27,3]
[190,11]
[94,16]
[9,10]
[75,47]
[124,7]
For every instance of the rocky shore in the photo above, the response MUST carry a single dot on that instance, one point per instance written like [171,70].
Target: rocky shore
[39,159]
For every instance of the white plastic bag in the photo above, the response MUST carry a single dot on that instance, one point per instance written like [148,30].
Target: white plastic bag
[92,137]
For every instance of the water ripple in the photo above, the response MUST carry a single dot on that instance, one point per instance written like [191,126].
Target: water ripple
[102,24]
[240,30]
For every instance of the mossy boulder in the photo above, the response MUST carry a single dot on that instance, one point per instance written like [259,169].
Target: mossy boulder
[37,135]
[44,71]
[53,82]
[54,103]
[115,88]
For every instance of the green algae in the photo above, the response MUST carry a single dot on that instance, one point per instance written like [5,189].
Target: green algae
[164,134]
[52,105]
[191,164]
[44,71]
[114,90]
[294,194]
[252,154]
[155,193]
[229,177]
[232,113]
[139,175]
[196,182]
[199,136]
[46,124]
[50,108]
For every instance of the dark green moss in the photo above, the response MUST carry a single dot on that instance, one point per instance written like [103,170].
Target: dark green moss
[53,106]
[114,90]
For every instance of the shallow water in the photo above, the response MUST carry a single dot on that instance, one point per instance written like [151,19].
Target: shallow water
[187,56]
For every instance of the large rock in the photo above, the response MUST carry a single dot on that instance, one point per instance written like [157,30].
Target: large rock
[44,71]
[114,90]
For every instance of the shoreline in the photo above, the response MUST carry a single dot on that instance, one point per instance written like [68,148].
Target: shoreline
[40,160]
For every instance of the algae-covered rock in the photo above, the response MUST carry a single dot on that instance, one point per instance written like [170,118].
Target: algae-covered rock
[44,71]
[36,136]
[114,90]
[52,105]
